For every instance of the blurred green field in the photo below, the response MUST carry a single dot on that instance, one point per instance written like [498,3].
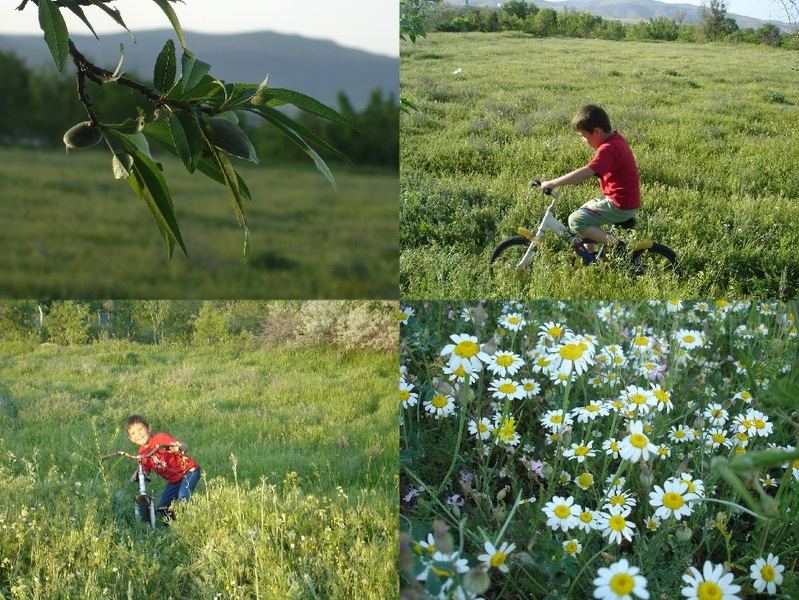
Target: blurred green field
[714,129]
[71,231]
[299,455]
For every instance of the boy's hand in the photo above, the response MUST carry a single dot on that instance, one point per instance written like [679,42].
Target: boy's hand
[548,185]
[134,478]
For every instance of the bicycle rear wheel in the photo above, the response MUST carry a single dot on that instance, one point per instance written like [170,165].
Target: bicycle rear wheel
[509,251]
[655,259]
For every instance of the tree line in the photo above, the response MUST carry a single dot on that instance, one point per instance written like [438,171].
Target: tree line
[349,324]
[518,15]
[38,106]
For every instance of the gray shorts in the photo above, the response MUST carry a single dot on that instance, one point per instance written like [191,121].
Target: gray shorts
[597,212]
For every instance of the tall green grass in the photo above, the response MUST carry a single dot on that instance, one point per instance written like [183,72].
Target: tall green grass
[298,449]
[71,231]
[714,129]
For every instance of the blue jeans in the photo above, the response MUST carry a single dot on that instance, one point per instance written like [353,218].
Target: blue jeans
[180,490]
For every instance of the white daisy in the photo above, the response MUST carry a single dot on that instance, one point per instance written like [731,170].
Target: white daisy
[502,363]
[680,434]
[513,322]
[688,339]
[587,520]
[615,496]
[481,428]
[662,398]
[461,375]
[562,513]
[695,486]
[611,447]
[572,547]
[505,430]
[440,405]
[506,389]
[638,399]
[767,574]
[407,396]
[531,387]
[714,438]
[636,445]
[716,415]
[580,452]
[463,351]
[710,584]
[405,313]
[672,500]
[614,525]
[559,378]
[620,581]
[574,354]
[590,411]
[555,420]
[552,332]
[496,557]
[584,480]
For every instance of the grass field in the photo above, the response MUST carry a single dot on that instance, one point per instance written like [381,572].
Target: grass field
[299,455]
[561,400]
[714,129]
[71,231]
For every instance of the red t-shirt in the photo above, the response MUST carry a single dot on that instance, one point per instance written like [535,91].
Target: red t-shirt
[619,179]
[170,465]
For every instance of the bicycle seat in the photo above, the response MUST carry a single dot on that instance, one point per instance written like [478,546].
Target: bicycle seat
[628,224]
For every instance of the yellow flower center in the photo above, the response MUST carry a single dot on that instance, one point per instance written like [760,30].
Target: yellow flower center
[691,486]
[555,331]
[759,423]
[767,573]
[708,590]
[614,446]
[460,372]
[689,339]
[617,523]
[796,464]
[543,362]
[557,419]
[722,304]
[404,395]
[618,500]
[679,434]
[498,559]
[528,387]
[585,480]
[467,349]
[482,427]
[571,352]
[439,401]
[673,501]
[662,396]
[639,441]
[514,320]
[562,511]
[581,450]
[507,388]
[641,340]
[571,547]
[592,408]
[586,517]
[622,584]
[746,395]
[504,360]
[638,399]
[719,438]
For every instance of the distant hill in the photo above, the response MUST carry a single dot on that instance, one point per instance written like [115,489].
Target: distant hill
[316,67]
[632,10]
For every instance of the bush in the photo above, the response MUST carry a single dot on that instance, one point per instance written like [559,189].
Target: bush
[212,325]
[67,323]
[18,322]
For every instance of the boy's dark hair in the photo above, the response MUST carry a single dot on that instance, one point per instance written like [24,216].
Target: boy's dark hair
[133,419]
[591,116]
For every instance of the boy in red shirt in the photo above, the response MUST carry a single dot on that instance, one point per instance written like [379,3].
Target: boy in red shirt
[614,164]
[181,472]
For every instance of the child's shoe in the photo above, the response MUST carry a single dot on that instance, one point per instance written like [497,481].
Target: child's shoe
[584,253]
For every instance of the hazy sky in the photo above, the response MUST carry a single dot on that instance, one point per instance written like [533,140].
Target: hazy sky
[760,9]
[371,25]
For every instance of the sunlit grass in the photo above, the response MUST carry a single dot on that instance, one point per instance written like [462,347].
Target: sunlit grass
[713,144]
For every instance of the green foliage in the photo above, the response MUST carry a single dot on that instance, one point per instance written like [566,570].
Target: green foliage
[298,496]
[18,321]
[412,17]
[712,151]
[715,23]
[67,323]
[196,110]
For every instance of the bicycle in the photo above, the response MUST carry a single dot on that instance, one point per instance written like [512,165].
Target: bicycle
[645,255]
[143,501]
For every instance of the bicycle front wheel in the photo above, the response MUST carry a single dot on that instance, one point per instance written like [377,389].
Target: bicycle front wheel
[655,259]
[509,251]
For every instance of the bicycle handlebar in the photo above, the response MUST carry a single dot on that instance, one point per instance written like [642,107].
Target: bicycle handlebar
[137,456]
[545,191]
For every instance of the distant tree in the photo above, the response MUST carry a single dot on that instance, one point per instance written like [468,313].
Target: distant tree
[544,22]
[518,9]
[715,23]
[769,34]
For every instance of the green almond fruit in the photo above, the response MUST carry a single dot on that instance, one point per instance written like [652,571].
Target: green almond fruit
[82,135]
[228,136]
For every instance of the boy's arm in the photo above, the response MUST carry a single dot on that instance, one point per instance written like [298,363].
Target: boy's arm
[576,176]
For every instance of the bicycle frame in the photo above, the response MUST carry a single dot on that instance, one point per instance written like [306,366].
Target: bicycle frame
[143,497]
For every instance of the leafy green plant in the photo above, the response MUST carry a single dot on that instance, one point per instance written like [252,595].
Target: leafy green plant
[194,116]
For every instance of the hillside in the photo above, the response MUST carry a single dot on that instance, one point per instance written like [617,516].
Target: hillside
[316,67]
[632,10]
